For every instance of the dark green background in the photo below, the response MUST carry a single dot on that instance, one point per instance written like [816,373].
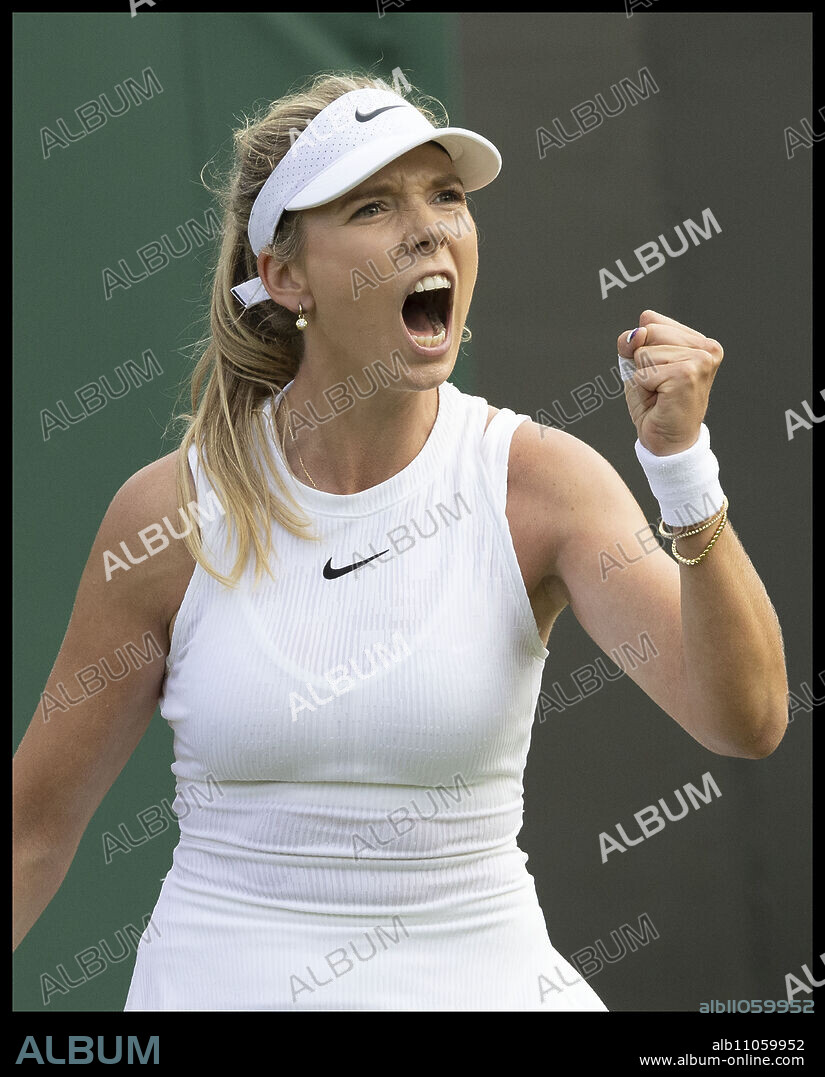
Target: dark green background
[727,888]
[84,208]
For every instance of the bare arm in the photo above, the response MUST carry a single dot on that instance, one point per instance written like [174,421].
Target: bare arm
[81,737]
[719,665]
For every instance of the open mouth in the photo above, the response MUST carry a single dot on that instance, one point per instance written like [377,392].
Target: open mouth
[426,311]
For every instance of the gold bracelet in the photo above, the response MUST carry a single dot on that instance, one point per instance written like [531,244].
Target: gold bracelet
[704,527]
[707,549]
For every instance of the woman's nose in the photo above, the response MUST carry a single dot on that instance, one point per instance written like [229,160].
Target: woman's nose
[425,231]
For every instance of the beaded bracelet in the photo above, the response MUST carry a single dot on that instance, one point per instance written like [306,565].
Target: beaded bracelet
[707,549]
[695,531]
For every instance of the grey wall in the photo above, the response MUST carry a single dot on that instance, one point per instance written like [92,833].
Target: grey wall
[727,887]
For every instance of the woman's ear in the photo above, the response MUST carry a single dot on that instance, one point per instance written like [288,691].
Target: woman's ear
[284,282]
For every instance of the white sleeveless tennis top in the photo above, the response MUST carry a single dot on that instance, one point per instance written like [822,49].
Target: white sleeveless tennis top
[349,751]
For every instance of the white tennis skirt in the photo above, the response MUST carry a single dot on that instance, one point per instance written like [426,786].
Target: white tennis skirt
[288,932]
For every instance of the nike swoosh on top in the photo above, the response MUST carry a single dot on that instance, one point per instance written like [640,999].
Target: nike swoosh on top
[331,573]
[372,115]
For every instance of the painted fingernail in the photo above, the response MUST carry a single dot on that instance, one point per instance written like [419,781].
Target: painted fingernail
[630,336]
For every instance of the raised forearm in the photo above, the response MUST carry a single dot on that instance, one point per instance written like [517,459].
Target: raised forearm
[732,653]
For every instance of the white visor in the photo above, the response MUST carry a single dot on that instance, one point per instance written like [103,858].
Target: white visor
[349,140]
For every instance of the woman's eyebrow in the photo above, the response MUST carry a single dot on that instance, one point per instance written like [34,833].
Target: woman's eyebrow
[445,180]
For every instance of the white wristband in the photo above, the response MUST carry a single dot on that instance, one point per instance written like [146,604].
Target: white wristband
[686,484]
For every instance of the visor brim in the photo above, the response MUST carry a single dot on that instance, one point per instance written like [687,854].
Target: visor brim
[476,161]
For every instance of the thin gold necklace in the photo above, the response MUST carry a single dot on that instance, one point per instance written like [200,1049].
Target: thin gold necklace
[292,435]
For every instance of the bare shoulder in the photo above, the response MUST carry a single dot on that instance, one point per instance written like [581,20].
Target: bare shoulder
[151,491]
[554,464]
[135,557]
[565,492]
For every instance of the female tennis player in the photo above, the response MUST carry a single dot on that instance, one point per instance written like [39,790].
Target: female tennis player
[351,648]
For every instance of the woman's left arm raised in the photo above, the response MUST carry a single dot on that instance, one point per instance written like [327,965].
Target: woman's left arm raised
[719,664]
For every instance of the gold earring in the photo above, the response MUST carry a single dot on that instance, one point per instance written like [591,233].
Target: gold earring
[302,322]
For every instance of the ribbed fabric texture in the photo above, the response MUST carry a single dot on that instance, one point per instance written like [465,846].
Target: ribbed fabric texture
[349,756]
